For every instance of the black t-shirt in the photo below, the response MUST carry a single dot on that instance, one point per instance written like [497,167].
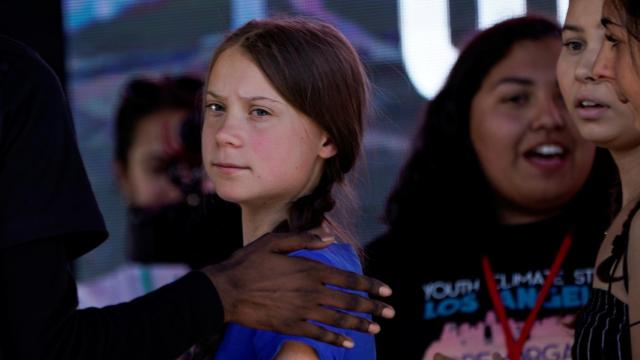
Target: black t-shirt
[208,233]
[45,190]
[441,297]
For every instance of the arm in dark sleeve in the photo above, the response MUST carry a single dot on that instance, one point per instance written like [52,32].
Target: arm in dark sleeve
[48,215]
[39,319]
[44,189]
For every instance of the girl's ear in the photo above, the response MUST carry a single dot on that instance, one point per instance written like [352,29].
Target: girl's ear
[328,148]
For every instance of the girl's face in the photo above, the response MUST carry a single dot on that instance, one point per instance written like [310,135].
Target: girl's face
[615,61]
[592,101]
[532,156]
[258,149]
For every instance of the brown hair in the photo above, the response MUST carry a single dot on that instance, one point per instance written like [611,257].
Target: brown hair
[317,71]
[629,13]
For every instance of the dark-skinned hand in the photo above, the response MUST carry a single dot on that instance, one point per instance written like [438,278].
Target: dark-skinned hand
[263,288]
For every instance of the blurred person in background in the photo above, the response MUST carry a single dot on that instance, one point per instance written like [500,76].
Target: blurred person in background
[158,163]
[175,222]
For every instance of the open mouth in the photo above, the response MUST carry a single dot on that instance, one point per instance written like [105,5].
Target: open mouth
[589,104]
[589,109]
[546,152]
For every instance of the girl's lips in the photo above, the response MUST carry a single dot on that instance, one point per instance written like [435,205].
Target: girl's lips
[591,113]
[590,108]
[228,168]
[547,164]
[547,156]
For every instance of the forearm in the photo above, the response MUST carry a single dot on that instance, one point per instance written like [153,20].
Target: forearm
[42,322]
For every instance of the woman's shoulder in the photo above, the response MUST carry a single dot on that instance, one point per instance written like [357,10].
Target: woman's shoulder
[633,247]
[634,218]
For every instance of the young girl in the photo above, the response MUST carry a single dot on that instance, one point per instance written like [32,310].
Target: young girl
[597,100]
[285,102]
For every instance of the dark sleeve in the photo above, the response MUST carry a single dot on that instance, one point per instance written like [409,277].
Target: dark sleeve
[44,188]
[209,233]
[39,319]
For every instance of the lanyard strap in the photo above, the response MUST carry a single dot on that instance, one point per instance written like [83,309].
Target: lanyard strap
[514,348]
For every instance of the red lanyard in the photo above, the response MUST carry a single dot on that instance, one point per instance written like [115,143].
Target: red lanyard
[514,348]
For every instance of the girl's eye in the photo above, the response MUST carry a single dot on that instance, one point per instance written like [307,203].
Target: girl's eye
[612,39]
[260,112]
[573,45]
[215,107]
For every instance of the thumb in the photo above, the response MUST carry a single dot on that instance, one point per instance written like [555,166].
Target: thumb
[290,242]
[439,356]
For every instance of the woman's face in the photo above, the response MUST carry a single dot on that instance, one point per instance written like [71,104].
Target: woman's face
[615,61]
[531,154]
[592,101]
[257,148]
[145,181]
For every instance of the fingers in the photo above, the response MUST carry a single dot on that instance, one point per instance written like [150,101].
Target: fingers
[323,232]
[284,243]
[346,301]
[353,281]
[307,329]
[439,356]
[345,321]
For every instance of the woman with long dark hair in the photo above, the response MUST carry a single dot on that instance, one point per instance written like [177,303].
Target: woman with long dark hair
[497,215]
[609,327]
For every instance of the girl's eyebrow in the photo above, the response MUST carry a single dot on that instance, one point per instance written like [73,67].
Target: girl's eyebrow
[210,92]
[250,98]
[605,21]
[253,98]
[513,80]
[571,27]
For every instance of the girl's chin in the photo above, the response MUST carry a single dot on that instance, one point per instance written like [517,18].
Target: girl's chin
[601,140]
[229,196]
